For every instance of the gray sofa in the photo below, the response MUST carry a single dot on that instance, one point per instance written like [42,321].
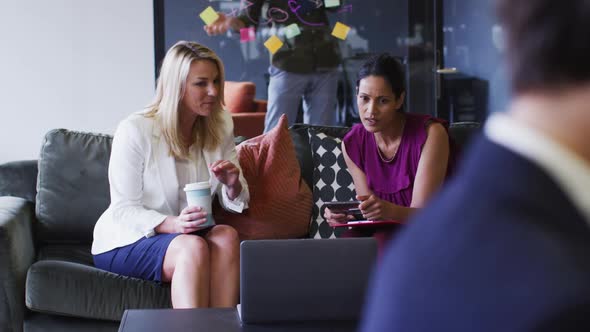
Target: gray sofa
[48,208]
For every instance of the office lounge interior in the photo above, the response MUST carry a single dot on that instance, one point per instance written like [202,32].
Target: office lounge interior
[81,66]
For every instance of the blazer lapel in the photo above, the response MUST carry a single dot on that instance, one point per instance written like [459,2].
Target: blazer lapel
[166,169]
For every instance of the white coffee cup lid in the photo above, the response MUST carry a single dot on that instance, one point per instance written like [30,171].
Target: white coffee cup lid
[197,186]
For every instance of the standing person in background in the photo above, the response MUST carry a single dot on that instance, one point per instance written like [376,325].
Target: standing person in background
[149,231]
[306,67]
[397,160]
[505,247]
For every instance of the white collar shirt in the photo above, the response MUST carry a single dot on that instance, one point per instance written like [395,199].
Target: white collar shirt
[567,169]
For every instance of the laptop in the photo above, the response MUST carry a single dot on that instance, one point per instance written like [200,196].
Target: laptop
[303,280]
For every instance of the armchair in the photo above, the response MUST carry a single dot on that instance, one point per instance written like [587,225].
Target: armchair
[248,113]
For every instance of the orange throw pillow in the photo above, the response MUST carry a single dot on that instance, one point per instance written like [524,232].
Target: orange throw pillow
[280,201]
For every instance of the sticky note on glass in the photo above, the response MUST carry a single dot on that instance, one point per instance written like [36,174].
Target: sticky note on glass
[273,44]
[247,34]
[331,3]
[209,15]
[340,30]
[292,30]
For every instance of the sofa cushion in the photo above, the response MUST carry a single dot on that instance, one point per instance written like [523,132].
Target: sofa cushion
[331,179]
[280,202]
[73,288]
[239,96]
[37,322]
[72,185]
[76,253]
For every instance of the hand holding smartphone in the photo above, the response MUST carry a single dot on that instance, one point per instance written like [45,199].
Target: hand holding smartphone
[351,207]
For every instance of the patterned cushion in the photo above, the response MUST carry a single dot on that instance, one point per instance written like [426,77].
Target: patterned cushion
[280,201]
[331,180]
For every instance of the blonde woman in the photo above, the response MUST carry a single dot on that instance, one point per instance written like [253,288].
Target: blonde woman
[184,136]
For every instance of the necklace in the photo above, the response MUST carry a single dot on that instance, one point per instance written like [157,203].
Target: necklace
[388,160]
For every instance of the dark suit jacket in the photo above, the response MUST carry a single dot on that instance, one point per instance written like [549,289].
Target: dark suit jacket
[501,249]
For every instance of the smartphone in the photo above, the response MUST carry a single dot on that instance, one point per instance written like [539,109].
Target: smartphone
[351,207]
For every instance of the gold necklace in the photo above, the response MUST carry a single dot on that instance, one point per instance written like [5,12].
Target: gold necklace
[388,160]
[385,159]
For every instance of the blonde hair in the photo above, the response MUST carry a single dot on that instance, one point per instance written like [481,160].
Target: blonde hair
[170,89]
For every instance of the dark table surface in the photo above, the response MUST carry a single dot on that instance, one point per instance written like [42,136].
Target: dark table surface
[210,319]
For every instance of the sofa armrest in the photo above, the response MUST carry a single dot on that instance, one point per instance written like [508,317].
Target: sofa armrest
[17,253]
[260,105]
[19,179]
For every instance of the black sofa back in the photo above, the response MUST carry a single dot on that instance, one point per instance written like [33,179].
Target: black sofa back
[72,188]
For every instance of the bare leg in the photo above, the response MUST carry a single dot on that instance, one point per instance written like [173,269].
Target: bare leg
[186,266]
[224,246]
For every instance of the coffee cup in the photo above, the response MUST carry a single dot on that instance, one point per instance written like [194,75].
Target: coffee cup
[199,194]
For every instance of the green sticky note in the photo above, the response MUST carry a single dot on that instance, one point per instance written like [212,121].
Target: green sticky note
[331,3]
[292,30]
[209,15]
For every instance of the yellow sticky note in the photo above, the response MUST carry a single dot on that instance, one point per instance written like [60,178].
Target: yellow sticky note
[340,30]
[209,15]
[273,44]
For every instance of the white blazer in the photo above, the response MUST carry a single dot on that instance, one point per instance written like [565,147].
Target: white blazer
[144,185]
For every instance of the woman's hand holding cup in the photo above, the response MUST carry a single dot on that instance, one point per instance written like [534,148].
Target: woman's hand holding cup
[189,220]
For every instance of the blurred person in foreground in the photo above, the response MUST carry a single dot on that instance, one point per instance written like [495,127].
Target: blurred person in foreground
[505,246]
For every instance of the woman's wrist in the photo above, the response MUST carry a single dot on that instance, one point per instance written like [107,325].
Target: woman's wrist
[234,191]
[392,211]
[164,226]
[399,212]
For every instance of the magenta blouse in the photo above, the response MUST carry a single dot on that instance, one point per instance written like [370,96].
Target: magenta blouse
[393,180]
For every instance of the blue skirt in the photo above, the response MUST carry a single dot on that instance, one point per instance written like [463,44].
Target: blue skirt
[142,259]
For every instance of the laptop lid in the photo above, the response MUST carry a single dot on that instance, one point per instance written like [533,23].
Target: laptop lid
[304,279]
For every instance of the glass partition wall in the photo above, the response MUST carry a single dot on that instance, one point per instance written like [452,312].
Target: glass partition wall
[473,46]
[404,28]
